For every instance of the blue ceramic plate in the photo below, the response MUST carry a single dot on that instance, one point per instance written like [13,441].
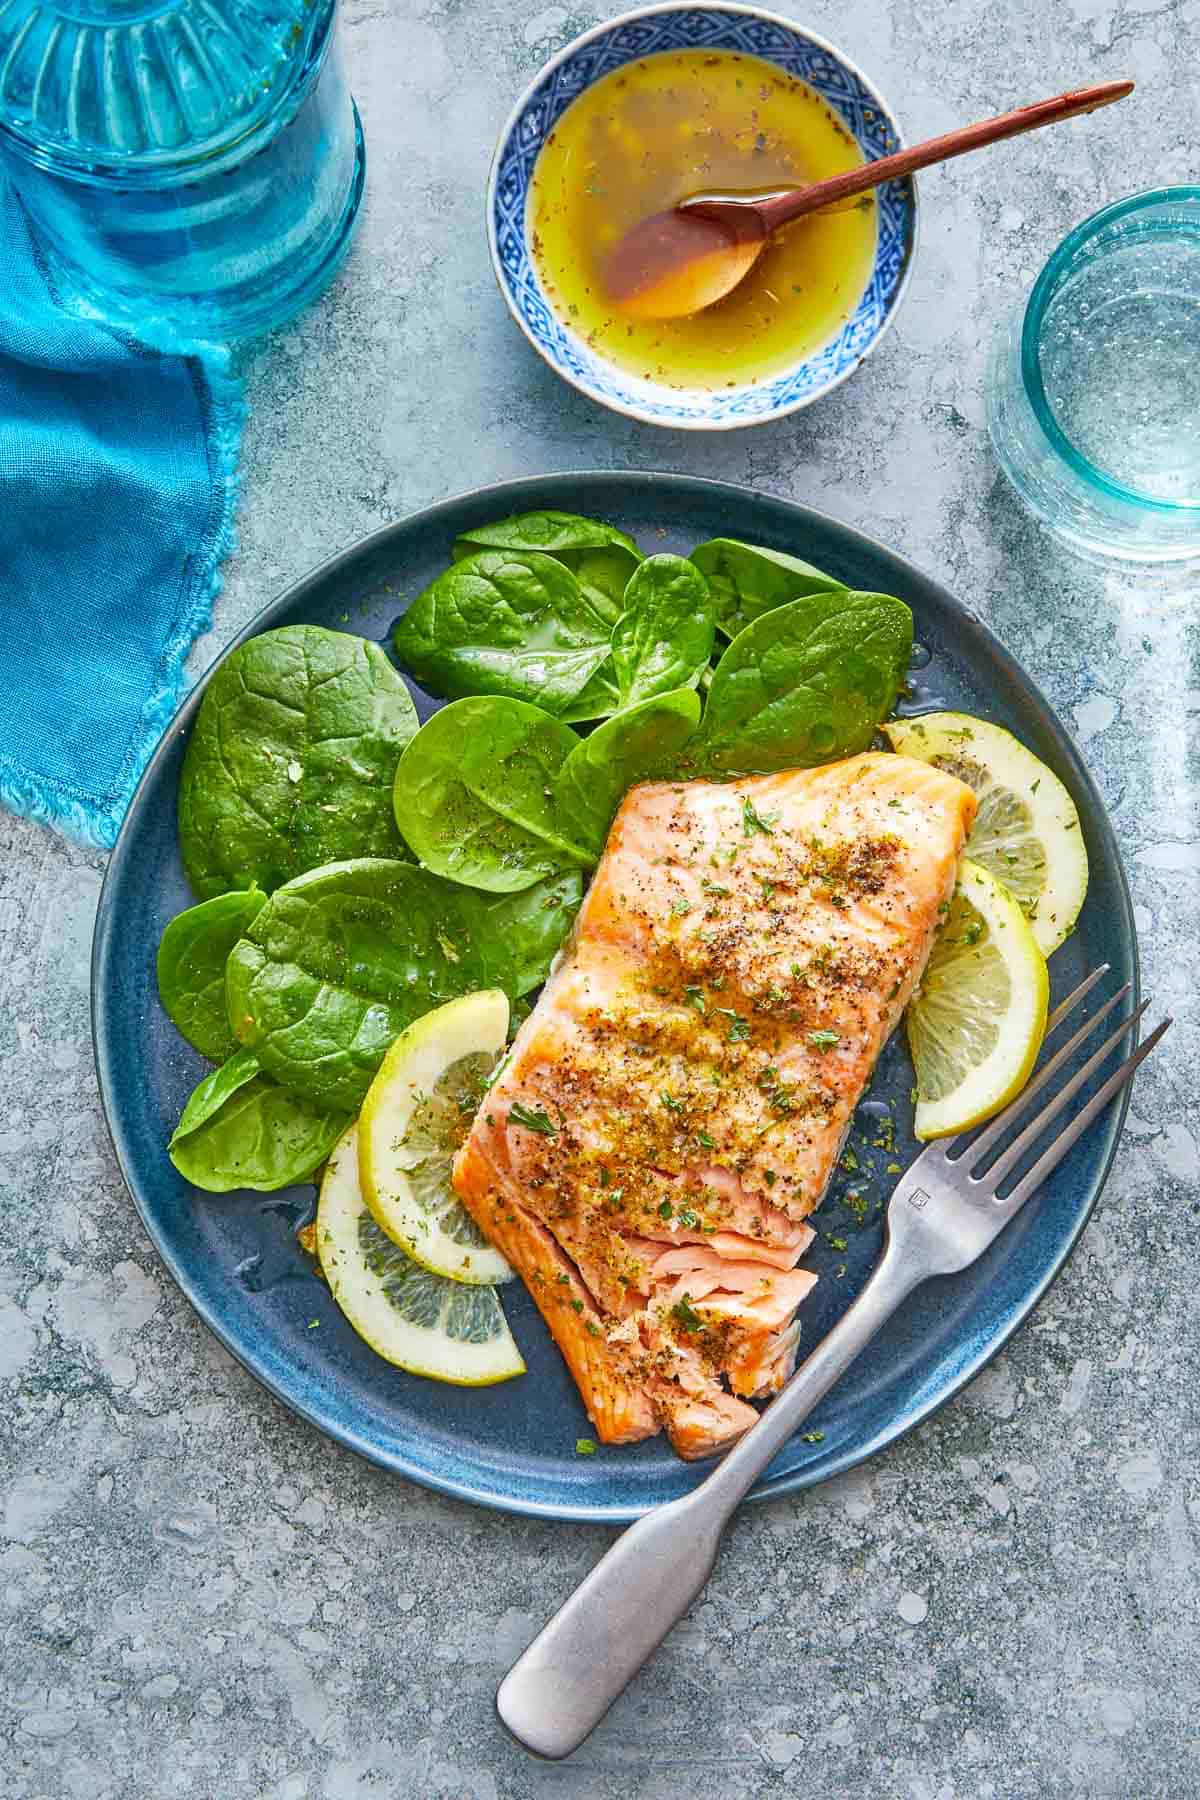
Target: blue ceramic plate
[513,1446]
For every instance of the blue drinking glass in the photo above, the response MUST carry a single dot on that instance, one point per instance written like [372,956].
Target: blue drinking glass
[1093,391]
[193,167]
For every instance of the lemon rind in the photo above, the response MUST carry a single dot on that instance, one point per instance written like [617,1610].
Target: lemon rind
[989,1087]
[354,1287]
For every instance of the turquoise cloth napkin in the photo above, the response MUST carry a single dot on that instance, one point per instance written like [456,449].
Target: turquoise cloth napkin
[118,482]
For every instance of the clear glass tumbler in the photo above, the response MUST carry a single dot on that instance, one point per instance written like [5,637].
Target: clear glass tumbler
[193,167]
[1093,392]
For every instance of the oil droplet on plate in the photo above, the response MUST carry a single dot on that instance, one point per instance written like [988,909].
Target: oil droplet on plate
[250,1273]
[874,1109]
[281,1258]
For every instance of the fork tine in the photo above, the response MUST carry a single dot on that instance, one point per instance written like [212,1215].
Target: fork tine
[1016,1150]
[1051,1157]
[1011,1113]
[1072,1000]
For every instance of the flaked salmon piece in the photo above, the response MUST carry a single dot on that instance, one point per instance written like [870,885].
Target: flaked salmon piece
[794,1241]
[618,1407]
[702,1427]
[661,1258]
[761,1366]
[674,1106]
[699,1265]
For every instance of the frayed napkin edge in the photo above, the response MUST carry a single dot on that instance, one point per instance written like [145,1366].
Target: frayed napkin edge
[96,822]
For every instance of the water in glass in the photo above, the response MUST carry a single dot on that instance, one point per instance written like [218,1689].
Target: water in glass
[192,167]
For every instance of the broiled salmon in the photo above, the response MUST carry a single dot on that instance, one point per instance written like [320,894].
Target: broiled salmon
[674,1106]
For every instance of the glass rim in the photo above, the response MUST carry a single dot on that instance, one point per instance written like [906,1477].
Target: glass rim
[1044,288]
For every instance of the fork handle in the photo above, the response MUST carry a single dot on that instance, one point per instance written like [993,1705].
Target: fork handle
[565,1682]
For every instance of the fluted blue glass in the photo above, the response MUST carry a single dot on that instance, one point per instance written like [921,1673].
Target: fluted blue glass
[193,167]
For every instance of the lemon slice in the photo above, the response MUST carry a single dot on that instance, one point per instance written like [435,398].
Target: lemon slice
[420,1322]
[976,1022]
[1027,830]
[417,1112]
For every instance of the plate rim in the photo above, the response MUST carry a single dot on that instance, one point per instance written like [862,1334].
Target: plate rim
[792,1481]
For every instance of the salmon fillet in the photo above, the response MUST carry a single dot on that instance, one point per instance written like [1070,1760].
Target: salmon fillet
[674,1106]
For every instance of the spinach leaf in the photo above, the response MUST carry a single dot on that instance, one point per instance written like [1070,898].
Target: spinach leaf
[191,968]
[600,557]
[474,794]
[598,699]
[533,924]
[340,960]
[634,746]
[509,622]
[291,760]
[240,1130]
[603,576]
[806,683]
[664,638]
[748,580]
[217,1087]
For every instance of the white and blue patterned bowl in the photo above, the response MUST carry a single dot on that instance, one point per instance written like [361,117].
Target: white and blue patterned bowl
[676,26]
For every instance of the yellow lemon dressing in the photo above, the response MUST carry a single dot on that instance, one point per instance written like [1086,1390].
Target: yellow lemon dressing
[678,123]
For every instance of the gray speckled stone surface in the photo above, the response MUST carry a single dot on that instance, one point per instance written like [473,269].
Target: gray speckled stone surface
[198,1594]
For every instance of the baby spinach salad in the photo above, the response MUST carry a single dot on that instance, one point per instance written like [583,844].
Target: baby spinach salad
[340,960]
[241,1129]
[191,968]
[747,581]
[600,557]
[475,796]
[352,871]
[291,758]
[499,788]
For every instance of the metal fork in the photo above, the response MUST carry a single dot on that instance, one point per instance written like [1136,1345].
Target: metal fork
[945,1211]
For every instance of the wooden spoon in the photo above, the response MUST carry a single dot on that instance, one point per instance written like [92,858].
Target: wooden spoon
[679,261]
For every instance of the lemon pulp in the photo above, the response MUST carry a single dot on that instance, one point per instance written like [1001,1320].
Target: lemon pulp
[416,1115]
[1027,830]
[976,1022]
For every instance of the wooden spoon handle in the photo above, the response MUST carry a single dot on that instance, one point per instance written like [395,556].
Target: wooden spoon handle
[781,208]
